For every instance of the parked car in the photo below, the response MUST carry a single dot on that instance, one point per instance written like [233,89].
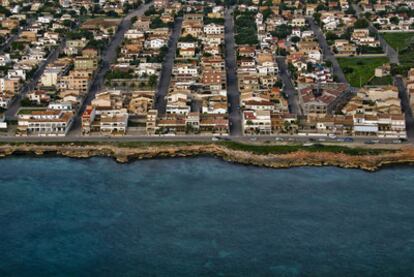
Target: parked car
[348,139]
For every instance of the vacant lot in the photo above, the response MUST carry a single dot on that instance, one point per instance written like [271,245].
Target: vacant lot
[358,71]
[404,44]
[398,41]
[381,81]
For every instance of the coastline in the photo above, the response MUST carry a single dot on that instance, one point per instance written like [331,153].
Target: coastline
[298,157]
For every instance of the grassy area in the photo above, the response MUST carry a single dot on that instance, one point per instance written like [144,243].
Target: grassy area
[252,148]
[381,81]
[404,44]
[399,41]
[284,149]
[358,70]
[26,111]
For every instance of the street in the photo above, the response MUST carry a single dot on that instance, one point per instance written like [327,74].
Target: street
[167,66]
[233,95]
[288,86]
[405,106]
[326,51]
[278,139]
[15,103]
[12,38]
[107,59]
[388,50]
[398,81]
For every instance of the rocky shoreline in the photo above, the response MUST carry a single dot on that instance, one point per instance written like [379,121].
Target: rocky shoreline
[404,155]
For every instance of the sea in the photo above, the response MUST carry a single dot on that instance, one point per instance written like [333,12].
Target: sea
[202,217]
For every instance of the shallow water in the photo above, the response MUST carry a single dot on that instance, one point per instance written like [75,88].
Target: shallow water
[202,217]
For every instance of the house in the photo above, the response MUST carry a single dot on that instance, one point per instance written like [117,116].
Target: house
[38,96]
[155,43]
[187,52]
[44,122]
[344,48]
[383,70]
[213,29]
[257,122]
[320,99]
[50,77]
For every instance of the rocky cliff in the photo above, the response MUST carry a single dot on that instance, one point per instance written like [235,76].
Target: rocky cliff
[299,158]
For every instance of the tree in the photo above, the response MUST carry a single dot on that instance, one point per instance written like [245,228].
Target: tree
[83,11]
[295,39]
[266,13]
[278,84]
[309,67]
[317,18]
[25,102]
[282,31]
[331,36]
[157,23]
[152,80]
[395,20]
[112,14]
[361,23]
[321,7]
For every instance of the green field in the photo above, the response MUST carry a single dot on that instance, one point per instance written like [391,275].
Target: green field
[404,44]
[398,41]
[284,149]
[260,149]
[358,71]
[381,81]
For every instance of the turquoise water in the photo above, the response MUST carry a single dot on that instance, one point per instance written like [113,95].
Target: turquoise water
[202,217]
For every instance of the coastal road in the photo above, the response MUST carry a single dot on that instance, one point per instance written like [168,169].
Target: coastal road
[167,66]
[326,51]
[233,94]
[14,106]
[108,57]
[288,86]
[280,139]
[388,50]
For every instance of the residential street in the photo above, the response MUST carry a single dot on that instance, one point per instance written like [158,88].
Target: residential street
[15,104]
[398,81]
[167,66]
[107,59]
[326,51]
[288,86]
[388,50]
[405,106]
[233,94]
[12,38]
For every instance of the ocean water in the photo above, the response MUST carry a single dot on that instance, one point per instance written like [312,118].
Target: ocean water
[202,217]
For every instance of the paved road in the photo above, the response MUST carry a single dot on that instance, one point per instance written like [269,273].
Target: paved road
[233,94]
[193,138]
[288,86]
[166,71]
[388,50]
[405,106]
[107,59]
[12,38]
[398,81]
[326,51]
[15,104]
